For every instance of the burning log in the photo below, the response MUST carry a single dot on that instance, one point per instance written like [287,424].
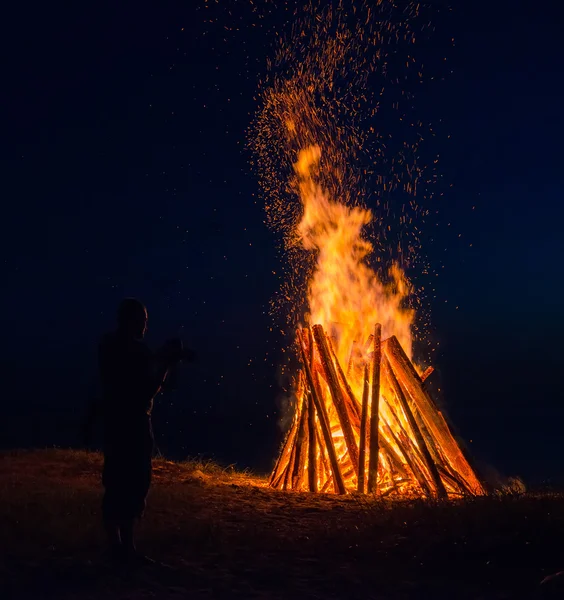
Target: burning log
[351,358]
[312,447]
[441,492]
[393,456]
[324,421]
[404,443]
[409,459]
[324,468]
[453,481]
[336,393]
[282,463]
[290,468]
[426,373]
[301,448]
[432,417]
[352,405]
[374,410]
[367,345]
[363,432]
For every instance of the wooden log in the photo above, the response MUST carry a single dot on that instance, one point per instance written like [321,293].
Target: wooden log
[285,455]
[453,481]
[430,464]
[375,411]
[282,459]
[433,418]
[324,422]
[419,476]
[397,420]
[351,358]
[352,404]
[301,448]
[448,469]
[323,462]
[434,448]
[392,454]
[336,393]
[418,458]
[310,345]
[283,449]
[312,447]
[274,473]
[287,480]
[363,433]
[367,345]
[429,440]
[427,372]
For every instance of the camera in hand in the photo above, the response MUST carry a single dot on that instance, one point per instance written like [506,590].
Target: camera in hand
[175,352]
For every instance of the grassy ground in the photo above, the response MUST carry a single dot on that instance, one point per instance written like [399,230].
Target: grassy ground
[227,535]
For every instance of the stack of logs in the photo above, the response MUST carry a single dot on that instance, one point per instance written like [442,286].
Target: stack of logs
[372,429]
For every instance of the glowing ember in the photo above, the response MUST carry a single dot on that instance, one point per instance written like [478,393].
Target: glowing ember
[363,420]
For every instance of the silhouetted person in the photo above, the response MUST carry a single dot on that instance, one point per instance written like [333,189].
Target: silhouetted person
[131,376]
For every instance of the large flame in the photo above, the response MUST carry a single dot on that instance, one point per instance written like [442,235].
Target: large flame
[360,406]
[345,295]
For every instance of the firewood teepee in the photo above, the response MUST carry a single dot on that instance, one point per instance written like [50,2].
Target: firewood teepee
[387,436]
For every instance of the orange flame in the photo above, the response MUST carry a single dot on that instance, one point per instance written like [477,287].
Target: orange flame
[345,294]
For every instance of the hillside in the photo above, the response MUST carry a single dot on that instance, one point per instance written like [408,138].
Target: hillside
[225,534]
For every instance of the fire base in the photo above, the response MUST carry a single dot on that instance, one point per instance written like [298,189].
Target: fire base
[373,428]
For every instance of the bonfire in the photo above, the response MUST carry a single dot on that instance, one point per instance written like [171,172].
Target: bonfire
[394,440]
[363,419]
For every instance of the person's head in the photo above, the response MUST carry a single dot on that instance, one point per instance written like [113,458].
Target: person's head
[132,318]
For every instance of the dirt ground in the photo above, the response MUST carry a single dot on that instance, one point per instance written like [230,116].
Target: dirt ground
[226,535]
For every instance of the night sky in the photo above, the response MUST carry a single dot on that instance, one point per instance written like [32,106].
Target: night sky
[124,173]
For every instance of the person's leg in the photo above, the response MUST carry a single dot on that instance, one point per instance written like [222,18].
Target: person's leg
[111,507]
[127,536]
[138,482]
[113,534]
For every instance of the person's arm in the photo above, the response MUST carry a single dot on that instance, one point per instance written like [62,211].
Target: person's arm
[152,370]
[166,358]
[160,371]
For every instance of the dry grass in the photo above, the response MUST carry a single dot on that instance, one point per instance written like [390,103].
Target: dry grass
[225,534]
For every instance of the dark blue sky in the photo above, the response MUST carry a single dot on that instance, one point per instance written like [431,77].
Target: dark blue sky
[124,173]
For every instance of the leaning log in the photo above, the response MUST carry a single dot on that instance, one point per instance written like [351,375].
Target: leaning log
[287,481]
[417,473]
[367,345]
[336,393]
[277,475]
[429,463]
[324,469]
[427,372]
[351,358]
[363,423]
[455,483]
[434,420]
[301,448]
[349,396]
[374,411]
[312,446]
[324,422]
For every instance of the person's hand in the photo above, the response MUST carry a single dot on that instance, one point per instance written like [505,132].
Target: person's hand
[173,350]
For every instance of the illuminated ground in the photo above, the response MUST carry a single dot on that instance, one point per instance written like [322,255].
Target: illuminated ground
[224,535]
